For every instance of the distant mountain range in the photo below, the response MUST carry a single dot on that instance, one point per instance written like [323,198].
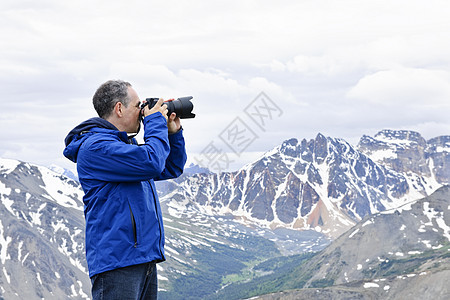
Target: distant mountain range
[223,229]
[324,183]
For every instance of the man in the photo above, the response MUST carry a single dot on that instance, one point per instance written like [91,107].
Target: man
[124,229]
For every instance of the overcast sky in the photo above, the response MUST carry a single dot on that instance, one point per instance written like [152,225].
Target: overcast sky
[341,68]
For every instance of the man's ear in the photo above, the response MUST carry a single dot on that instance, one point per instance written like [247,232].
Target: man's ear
[118,109]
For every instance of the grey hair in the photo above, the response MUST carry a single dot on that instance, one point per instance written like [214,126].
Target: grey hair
[108,94]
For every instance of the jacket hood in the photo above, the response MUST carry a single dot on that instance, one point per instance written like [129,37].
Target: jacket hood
[74,139]
[88,125]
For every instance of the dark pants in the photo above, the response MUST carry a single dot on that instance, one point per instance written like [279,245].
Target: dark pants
[137,282]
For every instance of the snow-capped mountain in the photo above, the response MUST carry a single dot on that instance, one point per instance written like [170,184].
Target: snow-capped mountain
[41,234]
[324,183]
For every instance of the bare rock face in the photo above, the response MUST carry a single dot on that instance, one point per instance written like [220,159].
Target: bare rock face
[407,151]
[439,156]
[400,150]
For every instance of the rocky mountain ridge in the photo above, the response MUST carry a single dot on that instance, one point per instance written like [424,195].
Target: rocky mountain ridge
[324,184]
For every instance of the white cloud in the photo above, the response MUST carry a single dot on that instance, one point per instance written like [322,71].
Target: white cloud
[332,66]
[379,54]
[406,87]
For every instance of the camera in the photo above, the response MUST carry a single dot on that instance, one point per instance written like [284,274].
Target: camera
[181,106]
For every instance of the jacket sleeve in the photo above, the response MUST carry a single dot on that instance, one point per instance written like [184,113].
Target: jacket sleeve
[104,157]
[177,157]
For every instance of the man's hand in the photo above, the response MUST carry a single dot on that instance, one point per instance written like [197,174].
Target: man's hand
[158,107]
[173,124]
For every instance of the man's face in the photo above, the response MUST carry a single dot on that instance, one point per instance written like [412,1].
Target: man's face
[131,113]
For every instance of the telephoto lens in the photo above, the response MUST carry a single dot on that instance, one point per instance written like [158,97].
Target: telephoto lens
[181,106]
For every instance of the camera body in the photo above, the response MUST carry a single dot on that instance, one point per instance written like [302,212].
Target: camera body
[181,106]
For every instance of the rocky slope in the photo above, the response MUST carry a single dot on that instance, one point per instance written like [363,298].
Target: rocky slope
[397,254]
[372,247]
[41,234]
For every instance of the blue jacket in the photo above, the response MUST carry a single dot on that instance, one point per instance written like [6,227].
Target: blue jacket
[124,224]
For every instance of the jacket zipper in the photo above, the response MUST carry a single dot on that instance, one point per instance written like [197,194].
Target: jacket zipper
[133,223]
[157,217]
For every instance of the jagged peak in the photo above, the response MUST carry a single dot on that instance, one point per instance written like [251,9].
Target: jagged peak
[290,142]
[295,148]
[320,136]
[399,136]
[443,140]
[196,169]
